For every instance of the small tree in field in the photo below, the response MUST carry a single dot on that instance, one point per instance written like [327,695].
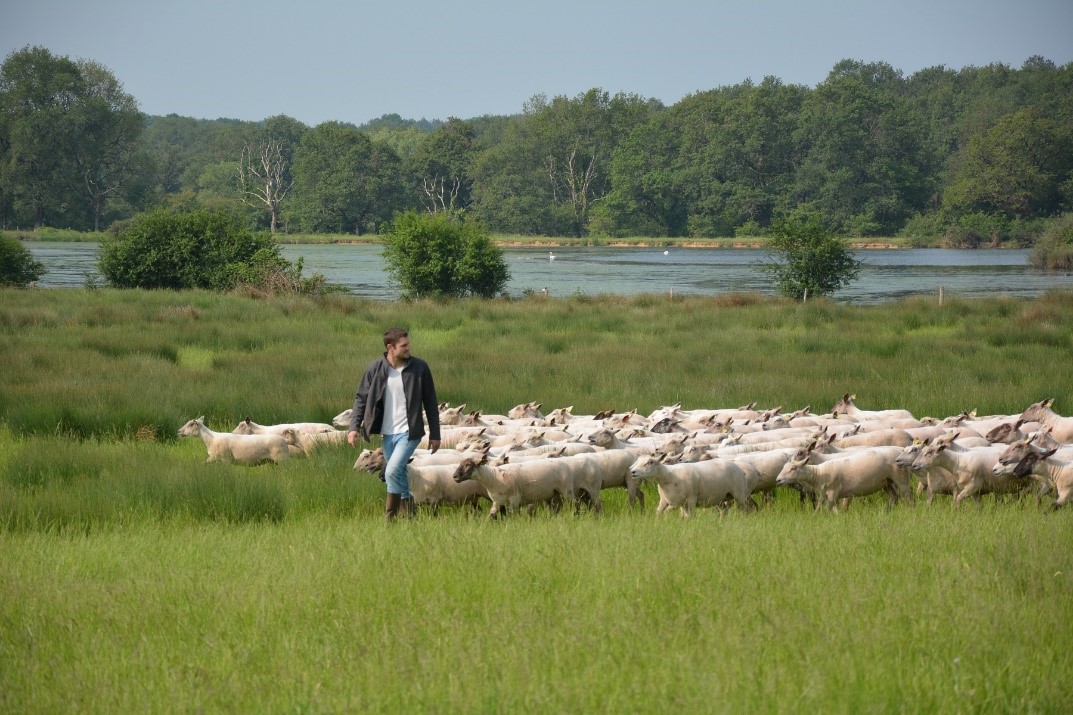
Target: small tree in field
[441,256]
[195,249]
[808,260]
[17,264]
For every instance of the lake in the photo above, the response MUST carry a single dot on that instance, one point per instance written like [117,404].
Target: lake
[889,274]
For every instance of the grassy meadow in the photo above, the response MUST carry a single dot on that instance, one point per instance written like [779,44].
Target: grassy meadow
[136,578]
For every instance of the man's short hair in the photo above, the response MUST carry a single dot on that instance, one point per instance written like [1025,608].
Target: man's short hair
[394,335]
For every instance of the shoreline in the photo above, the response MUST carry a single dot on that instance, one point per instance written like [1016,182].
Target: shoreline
[555,242]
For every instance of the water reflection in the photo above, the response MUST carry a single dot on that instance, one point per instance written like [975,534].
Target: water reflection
[888,274]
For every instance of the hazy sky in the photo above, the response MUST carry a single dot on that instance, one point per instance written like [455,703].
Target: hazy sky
[353,60]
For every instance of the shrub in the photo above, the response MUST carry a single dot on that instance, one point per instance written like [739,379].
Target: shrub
[17,264]
[807,259]
[976,230]
[189,249]
[441,256]
[924,229]
[1054,249]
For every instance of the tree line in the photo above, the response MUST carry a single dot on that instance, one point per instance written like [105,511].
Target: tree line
[978,154]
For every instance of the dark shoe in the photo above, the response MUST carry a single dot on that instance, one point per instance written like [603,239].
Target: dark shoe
[408,509]
[391,507]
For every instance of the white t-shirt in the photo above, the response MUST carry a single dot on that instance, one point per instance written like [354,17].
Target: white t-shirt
[395,421]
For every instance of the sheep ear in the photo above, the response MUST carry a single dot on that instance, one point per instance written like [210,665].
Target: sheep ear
[201,419]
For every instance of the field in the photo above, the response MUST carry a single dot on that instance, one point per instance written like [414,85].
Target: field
[136,578]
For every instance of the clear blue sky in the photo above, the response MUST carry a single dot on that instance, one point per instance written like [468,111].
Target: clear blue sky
[355,60]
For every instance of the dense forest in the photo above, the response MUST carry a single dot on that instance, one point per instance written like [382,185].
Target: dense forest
[977,154]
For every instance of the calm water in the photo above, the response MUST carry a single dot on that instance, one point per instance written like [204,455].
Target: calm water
[889,274]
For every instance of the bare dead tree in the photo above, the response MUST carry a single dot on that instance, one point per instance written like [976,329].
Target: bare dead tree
[262,178]
[572,185]
[441,193]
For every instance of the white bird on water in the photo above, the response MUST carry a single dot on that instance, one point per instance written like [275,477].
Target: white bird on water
[551,256]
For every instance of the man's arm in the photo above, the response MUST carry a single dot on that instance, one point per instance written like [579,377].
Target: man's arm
[432,410]
[357,414]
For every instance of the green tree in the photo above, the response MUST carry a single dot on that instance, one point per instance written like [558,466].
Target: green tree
[436,255]
[650,189]
[552,165]
[195,249]
[864,164]
[37,94]
[343,181]
[17,265]
[69,139]
[1020,168]
[807,259]
[108,148]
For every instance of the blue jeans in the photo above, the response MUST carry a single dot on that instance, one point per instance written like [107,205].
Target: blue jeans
[398,448]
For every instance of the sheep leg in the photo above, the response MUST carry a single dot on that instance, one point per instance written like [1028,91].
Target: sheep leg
[686,510]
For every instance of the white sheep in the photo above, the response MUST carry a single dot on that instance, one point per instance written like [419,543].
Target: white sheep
[971,467]
[305,443]
[525,410]
[431,485]
[687,486]
[543,481]
[248,426]
[1061,427]
[237,448]
[1055,475]
[851,474]
[846,406]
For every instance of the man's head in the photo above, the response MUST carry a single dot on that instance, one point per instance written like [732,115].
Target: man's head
[397,342]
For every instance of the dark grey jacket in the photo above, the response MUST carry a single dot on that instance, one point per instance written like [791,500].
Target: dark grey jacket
[420,391]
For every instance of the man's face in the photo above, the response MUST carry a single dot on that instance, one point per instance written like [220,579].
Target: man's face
[400,351]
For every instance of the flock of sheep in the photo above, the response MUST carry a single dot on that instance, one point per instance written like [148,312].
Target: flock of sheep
[699,458]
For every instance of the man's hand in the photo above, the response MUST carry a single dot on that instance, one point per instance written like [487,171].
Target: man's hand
[433,445]
[351,438]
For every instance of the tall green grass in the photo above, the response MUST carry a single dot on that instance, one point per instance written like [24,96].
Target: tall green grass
[137,578]
[916,609]
[112,363]
[55,234]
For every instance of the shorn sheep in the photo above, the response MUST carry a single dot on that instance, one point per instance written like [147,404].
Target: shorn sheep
[238,448]
[687,486]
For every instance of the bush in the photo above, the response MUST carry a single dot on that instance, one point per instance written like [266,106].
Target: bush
[1054,249]
[808,259]
[193,249]
[924,229]
[976,230]
[441,256]
[17,264]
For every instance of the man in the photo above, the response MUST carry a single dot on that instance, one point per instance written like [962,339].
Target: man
[389,401]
